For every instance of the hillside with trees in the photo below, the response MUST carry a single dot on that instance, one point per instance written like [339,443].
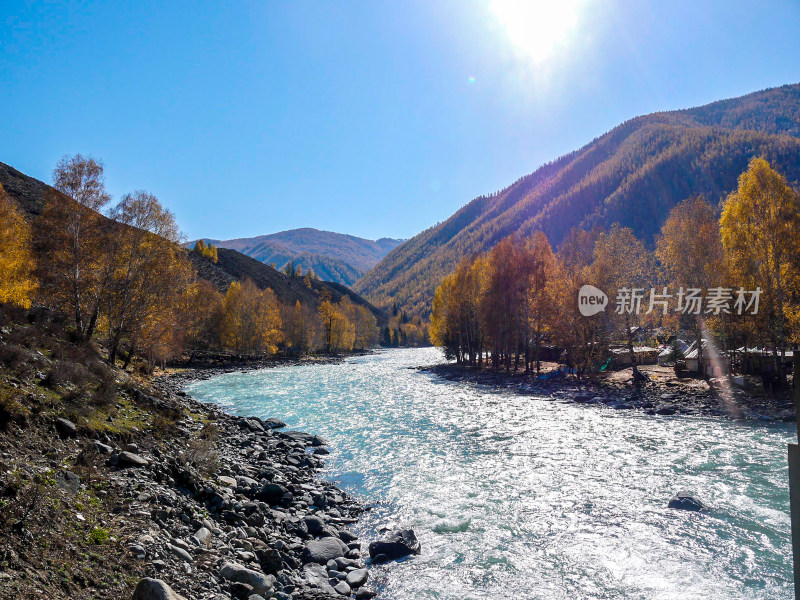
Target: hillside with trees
[733,278]
[633,175]
[121,278]
[331,256]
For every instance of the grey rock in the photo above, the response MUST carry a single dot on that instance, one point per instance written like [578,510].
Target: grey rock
[180,553]
[365,594]
[334,574]
[271,493]
[102,448]
[154,589]
[347,536]
[684,500]
[323,550]
[355,579]
[241,591]
[317,576]
[344,563]
[129,459]
[245,482]
[397,545]
[202,537]
[342,588]
[262,584]
[314,524]
[273,423]
[299,436]
[270,560]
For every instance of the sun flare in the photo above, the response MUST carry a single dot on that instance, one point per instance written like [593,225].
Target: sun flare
[537,28]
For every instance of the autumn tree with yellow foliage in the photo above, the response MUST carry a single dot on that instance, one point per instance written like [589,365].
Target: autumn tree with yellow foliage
[623,264]
[365,326]
[301,328]
[200,315]
[338,333]
[74,243]
[760,227]
[251,321]
[584,339]
[208,251]
[150,275]
[456,321]
[691,255]
[17,284]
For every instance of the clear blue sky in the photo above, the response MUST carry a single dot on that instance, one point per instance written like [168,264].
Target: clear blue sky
[370,118]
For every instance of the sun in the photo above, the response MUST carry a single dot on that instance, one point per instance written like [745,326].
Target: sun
[537,28]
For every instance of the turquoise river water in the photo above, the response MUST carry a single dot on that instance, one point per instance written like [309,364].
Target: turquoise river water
[523,497]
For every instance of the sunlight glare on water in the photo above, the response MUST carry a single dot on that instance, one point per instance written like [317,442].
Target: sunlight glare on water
[535,498]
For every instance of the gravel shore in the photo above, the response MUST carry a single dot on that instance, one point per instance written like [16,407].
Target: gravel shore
[257,522]
[665,393]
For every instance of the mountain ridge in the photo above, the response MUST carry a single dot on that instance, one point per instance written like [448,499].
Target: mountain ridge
[333,256]
[633,174]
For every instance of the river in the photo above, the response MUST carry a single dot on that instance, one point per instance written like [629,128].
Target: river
[523,497]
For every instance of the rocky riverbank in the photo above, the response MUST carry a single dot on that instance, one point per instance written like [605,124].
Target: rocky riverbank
[115,487]
[663,394]
[257,522]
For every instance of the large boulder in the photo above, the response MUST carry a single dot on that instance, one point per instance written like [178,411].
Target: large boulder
[263,585]
[685,500]
[273,423]
[322,550]
[271,493]
[129,459]
[397,545]
[154,589]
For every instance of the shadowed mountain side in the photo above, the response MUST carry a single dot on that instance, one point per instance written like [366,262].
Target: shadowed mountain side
[31,194]
[235,266]
[326,267]
[632,175]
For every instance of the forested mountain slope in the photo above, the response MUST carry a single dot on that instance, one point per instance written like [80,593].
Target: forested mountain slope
[631,175]
[31,194]
[235,266]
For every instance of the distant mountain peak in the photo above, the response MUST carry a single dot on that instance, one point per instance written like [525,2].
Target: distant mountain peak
[337,257]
